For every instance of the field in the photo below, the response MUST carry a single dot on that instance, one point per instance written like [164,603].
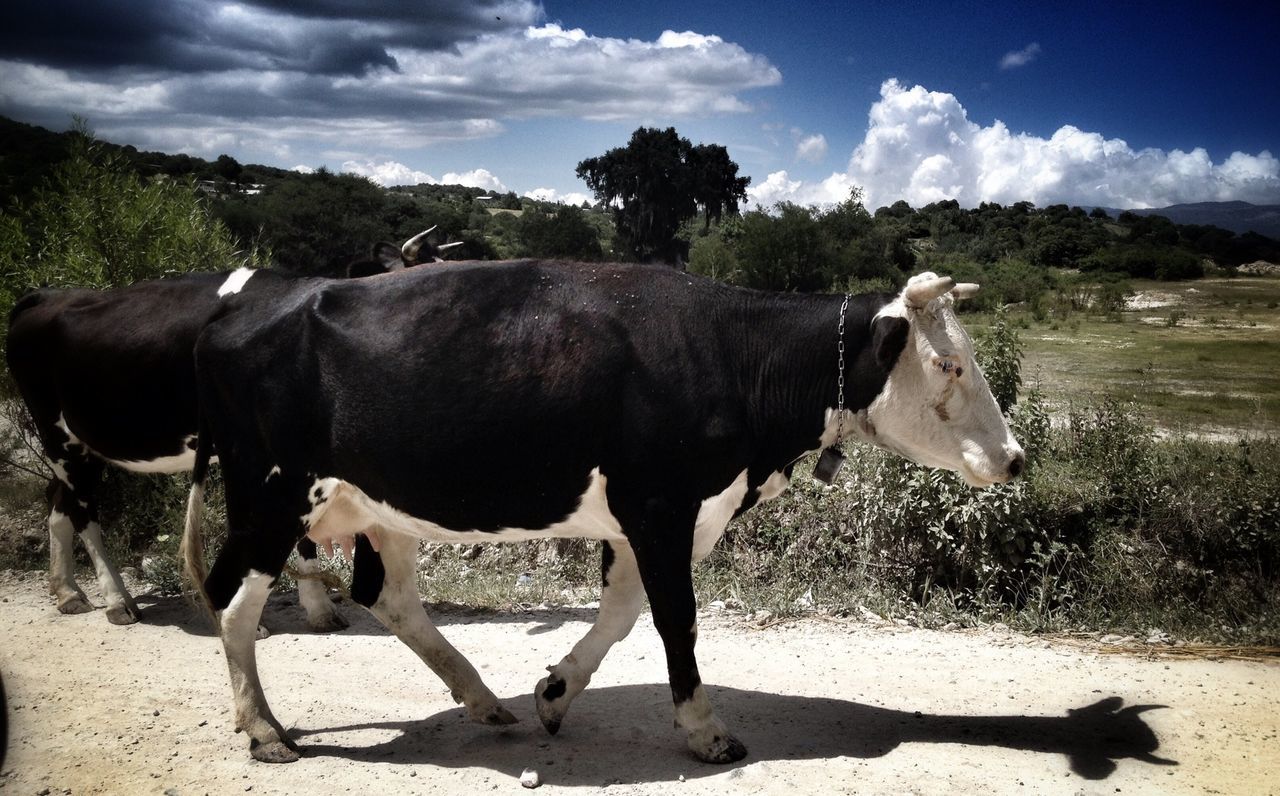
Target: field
[1194,357]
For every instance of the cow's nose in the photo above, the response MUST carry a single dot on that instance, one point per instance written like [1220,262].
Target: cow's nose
[1017,464]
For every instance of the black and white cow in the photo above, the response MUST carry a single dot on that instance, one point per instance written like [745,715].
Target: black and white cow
[108,377]
[483,402]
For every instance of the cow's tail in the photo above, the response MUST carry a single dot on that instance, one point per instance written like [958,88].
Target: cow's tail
[192,548]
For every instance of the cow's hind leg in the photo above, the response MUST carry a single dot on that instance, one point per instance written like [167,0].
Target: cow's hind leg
[385,582]
[621,600]
[662,538]
[268,741]
[238,586]
[62,562]
[322,614]
[74,508]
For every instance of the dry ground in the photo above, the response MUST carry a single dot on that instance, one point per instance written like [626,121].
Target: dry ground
[823,706]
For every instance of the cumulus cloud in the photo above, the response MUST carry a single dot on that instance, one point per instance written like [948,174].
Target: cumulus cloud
[476,178]
[811,148]
[552,195]
[1017,58]
[388,172]
[921,146]
[779,187]
[391,172]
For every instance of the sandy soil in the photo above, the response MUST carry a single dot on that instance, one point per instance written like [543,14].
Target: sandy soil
[823,706]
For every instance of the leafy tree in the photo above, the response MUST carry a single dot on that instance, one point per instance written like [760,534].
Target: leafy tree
[783,250]
[317,223]
[658,181]
[228,168]
[566,233]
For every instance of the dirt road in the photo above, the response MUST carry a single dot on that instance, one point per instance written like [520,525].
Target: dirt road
[823,706]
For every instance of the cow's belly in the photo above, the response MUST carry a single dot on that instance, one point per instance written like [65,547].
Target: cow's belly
[340,509]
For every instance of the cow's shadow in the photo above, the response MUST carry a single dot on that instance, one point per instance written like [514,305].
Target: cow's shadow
[596,743]
[284,616]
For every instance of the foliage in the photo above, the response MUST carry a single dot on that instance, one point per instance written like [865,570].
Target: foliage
[999,355]
[565,233]
[94,223]
[658,181]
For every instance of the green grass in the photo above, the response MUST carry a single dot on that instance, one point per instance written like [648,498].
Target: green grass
[1211,372]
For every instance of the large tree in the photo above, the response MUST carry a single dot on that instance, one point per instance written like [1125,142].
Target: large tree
[657,182]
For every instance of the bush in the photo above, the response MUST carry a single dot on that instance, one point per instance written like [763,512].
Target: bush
[97,224]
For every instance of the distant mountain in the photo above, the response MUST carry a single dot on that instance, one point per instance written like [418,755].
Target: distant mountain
[1239,217]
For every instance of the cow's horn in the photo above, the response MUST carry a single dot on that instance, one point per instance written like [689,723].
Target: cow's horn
[918,295]
[411,246]
[444,246]
[965,290]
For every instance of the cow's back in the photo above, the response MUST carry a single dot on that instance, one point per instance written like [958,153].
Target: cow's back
[112,361]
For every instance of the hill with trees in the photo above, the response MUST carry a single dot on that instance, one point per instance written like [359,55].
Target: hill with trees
[662,198]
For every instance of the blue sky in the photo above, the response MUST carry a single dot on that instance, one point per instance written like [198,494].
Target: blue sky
[1118,104]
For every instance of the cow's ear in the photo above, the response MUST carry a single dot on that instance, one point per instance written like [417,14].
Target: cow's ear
[888,338]
[389,256]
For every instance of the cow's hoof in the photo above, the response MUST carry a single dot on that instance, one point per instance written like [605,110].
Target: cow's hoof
[262,633]
[719,748]
[545,696]
[327,623]
[75,604]
[285,751]
[497,716]
[122,614]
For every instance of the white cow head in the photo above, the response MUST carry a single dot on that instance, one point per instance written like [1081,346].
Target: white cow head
[936,408]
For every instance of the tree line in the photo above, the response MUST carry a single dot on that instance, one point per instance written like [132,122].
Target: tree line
[658,198]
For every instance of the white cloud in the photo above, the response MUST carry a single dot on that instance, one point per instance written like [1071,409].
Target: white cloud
[1016,58]
[921,146]
[476,178]
[779,187]
[303,169]
[812,148]
[391,172]
[387,173]
[552,195]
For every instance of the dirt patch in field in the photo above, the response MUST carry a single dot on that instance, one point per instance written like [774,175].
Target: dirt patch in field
[822,705]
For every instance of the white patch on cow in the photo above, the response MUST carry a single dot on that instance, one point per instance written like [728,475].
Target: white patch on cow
[340,509]
[714,514]
[235,282]
[773,486]
[60,470]
[274,471]
[178,463]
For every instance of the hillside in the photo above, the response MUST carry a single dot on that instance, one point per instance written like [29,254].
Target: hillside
[1239,217]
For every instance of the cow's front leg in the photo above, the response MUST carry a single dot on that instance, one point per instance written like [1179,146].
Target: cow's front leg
[322,614]
[239,620]
[621,599]
[663,546]
[385,582]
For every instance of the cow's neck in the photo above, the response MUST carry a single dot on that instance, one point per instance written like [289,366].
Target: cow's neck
[790,364]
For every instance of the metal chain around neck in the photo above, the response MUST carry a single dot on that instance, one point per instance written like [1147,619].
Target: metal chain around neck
[840,372]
